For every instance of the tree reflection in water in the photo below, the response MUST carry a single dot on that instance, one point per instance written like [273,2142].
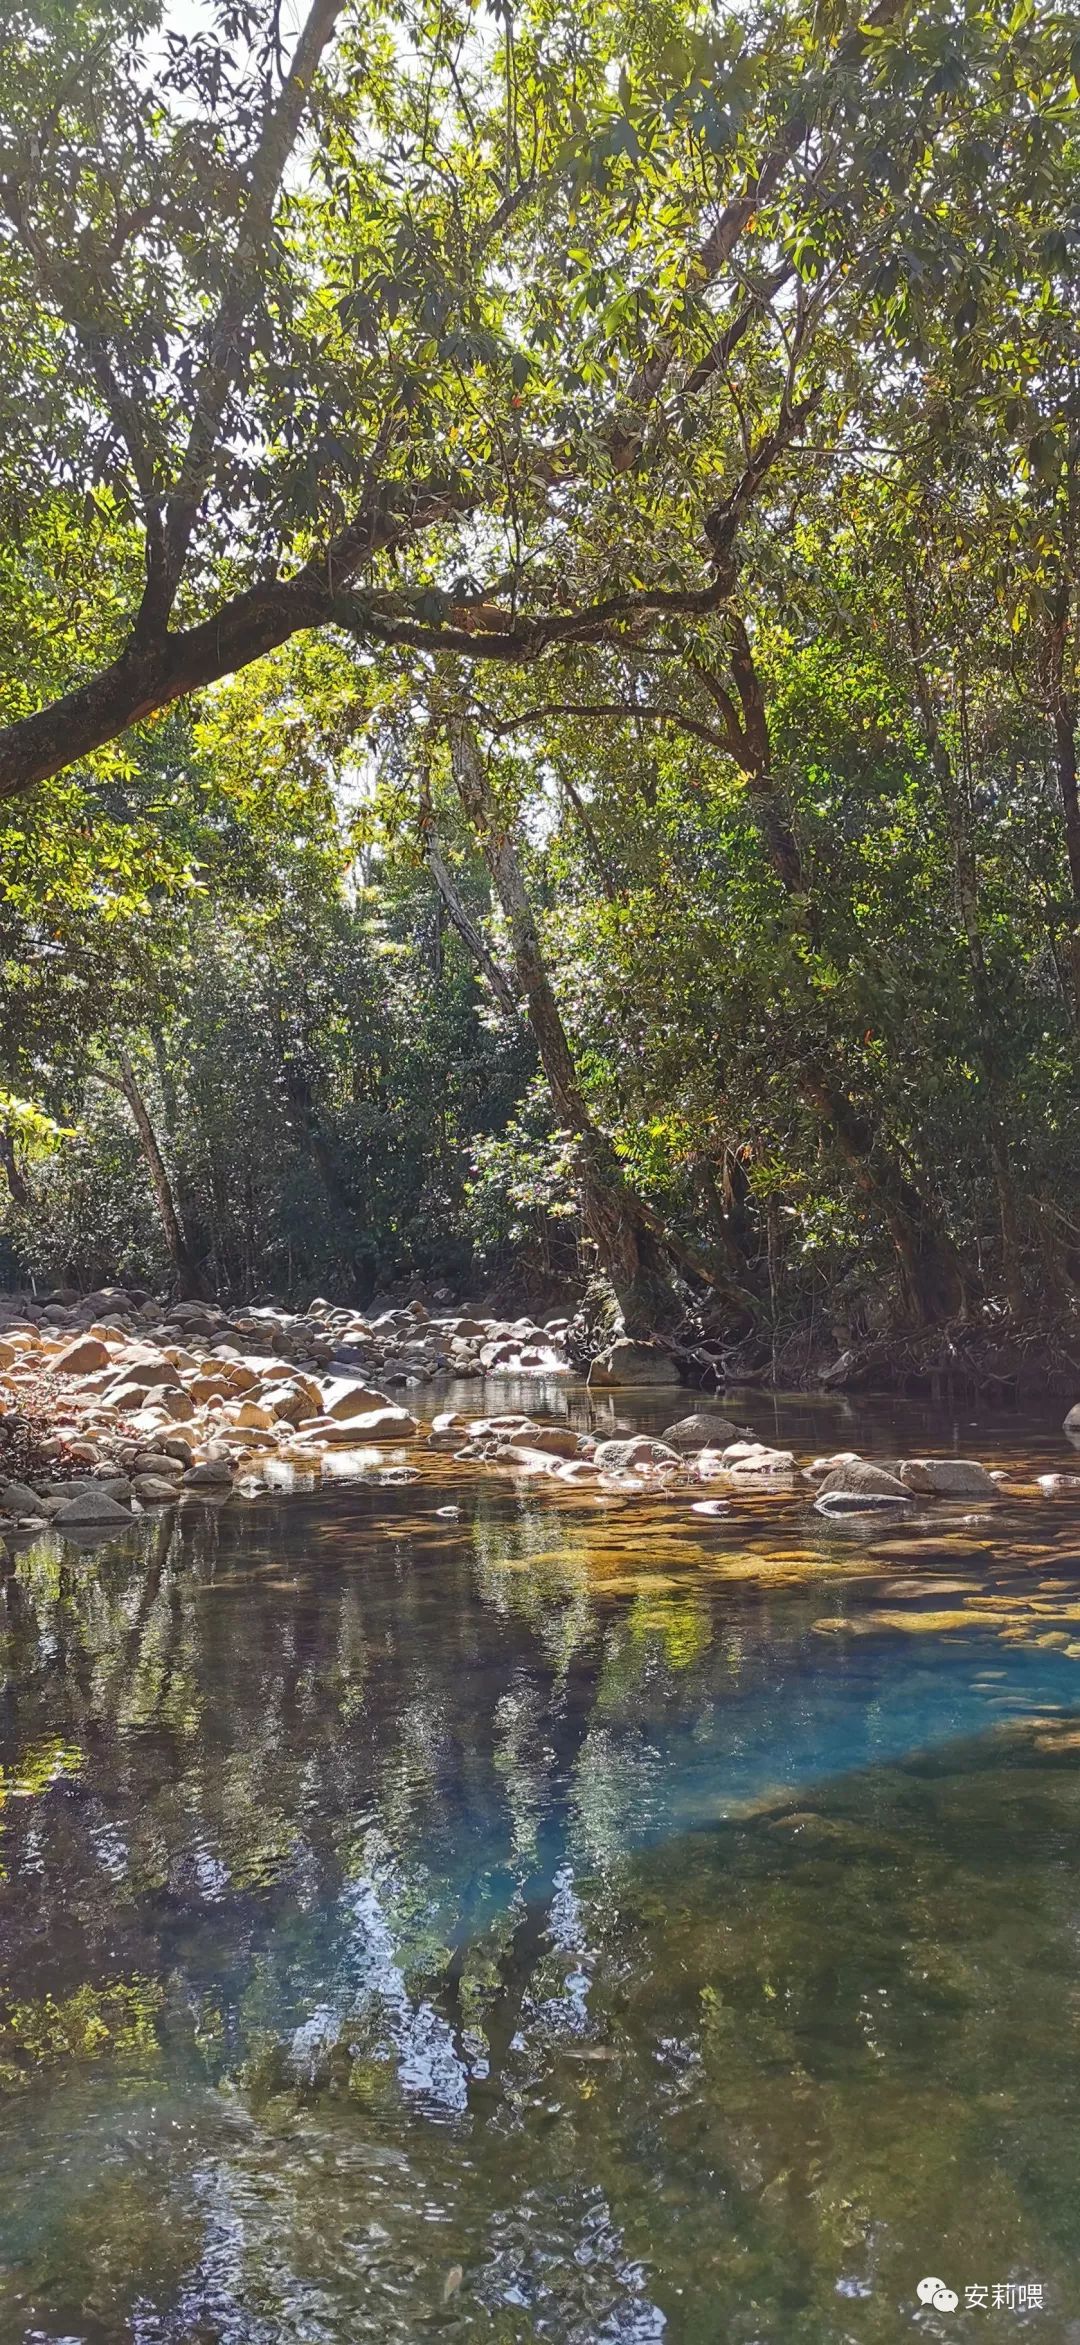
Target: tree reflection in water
[467,1927]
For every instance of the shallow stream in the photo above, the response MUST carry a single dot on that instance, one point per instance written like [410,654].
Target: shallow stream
[567,1918]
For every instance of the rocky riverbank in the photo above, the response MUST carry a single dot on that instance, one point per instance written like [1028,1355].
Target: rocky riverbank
[117,1399]
[112,1404]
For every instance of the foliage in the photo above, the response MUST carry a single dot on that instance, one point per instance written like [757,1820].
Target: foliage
[688,408]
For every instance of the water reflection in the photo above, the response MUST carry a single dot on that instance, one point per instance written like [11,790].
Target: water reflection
[558,1922]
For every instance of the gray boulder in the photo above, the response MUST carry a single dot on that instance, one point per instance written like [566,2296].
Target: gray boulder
[161,1463]
[700,1432]
[947,1477]
[17,1498]
[639,1451]
[215,1473]
[93,1508]
[857,1478]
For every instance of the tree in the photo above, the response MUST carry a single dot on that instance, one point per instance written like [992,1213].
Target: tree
[347,389]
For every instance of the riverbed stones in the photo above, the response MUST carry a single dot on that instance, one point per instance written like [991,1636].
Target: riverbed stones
[253,1414]
[93,1508]
[17,1498]
[856,1477]
[155,1490]
[159,1461]
[82,1357]
[948,1477]
[215,1473]
[700,1431]
[619,1456]
[150,1369]
[555,1440]
[128,1397]
[287,1402]
[627,1361]
[754,1460]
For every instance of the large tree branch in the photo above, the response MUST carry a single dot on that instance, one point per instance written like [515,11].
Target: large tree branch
[654,712]
[227,346]
[148,676]
[170,515]
[152,672]
[518,641]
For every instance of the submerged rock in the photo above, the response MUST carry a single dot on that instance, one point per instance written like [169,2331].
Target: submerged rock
[834,1502]
[555,1440]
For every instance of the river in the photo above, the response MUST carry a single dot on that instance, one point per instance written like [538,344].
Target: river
[474,1908]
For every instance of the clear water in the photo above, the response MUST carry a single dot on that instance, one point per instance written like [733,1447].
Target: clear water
[566,1920]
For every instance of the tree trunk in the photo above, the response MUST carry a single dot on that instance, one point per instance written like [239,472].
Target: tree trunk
[18,1188]
[1065,745]
[187,1275]
[467,929]
[634,1249]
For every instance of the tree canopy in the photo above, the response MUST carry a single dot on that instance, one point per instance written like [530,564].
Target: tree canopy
[595,491]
